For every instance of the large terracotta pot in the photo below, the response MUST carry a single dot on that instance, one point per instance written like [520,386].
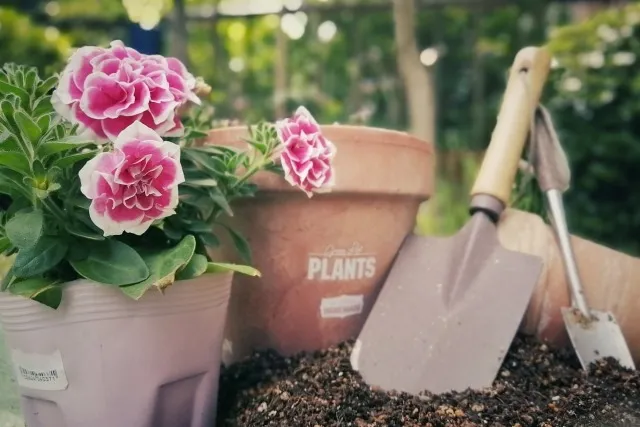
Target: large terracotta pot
[323,259]
[611,280]
[104,360]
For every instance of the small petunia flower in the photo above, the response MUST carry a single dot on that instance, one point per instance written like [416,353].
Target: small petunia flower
[135,184]
[306,155]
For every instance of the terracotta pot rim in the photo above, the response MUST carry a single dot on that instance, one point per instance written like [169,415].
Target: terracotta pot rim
[365,138]
[276,191]
[378,135]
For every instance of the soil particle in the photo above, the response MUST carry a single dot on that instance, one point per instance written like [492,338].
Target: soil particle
[536,386]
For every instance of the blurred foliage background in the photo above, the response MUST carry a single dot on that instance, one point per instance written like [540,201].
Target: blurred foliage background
[339,58]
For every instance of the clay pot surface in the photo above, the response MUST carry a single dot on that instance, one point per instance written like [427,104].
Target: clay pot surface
[323,259]
[611,280]
[103,360]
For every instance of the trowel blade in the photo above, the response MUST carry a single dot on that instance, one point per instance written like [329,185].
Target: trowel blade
[597,339]
[422,335]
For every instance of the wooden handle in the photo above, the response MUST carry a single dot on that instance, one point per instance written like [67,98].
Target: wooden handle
[526,80]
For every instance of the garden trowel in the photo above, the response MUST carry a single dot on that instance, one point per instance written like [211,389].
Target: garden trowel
[594,334]
[450,307]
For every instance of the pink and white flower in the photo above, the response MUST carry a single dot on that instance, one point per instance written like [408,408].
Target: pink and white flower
[106,89]
[305,154]
[135,184]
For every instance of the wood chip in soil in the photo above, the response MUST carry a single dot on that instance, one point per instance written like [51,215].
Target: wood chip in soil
[536,386]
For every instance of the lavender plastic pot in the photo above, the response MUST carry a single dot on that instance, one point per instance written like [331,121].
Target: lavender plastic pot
[104,360]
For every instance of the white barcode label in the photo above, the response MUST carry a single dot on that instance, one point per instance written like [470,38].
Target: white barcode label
[341,306]
[39,371]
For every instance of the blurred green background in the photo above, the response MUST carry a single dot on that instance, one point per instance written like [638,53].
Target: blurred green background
[343,60]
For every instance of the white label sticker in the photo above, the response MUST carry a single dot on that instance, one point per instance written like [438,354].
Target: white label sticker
[342,306]
[40,371]
[337,264]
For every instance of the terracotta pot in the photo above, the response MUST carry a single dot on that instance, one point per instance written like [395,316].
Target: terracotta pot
[323,259]
[611,280]
[104,360]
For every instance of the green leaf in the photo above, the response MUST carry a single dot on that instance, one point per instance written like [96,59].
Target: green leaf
[221,267]
[209,239]
[54,173]
[39,171]
[194,134]
[247,189]
[81,202]
[66,144]
[260,146]
[7,88]
[60,131]
[111,262]
[48,84]
[80,230]
[67,161]
[198,199]
[172,231]
[19,75]
[220,199]
[207,182]
[196,226]
[7,110]
[217,150]
[163,266]
[196,267]
[241,244]
[19,205]
[5,244]
[11,180]
[24,229]
[211,164]
[275,168]
[234,161]
[44,122]
[30,129]
[15,161]
[43,106]
[30,79]
[44,291]
[7,280]
[8,142]
[42,257]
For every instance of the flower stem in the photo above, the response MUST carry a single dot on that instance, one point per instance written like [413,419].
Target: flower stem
[248,174]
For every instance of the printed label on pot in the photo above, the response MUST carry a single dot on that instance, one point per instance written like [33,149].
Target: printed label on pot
[39,371]
[342,306]
[341,264]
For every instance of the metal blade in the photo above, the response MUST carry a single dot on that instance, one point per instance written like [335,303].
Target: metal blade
[438,325]
[598,338]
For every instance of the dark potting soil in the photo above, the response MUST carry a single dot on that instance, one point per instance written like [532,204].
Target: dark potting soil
[536,386]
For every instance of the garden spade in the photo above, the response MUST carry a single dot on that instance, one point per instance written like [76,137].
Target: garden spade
[450,307]
[594,334]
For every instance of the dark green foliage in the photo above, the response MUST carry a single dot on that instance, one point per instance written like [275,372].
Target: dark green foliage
[596,106]
[47,223]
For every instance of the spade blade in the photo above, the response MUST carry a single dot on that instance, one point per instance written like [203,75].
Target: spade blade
[447,313]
